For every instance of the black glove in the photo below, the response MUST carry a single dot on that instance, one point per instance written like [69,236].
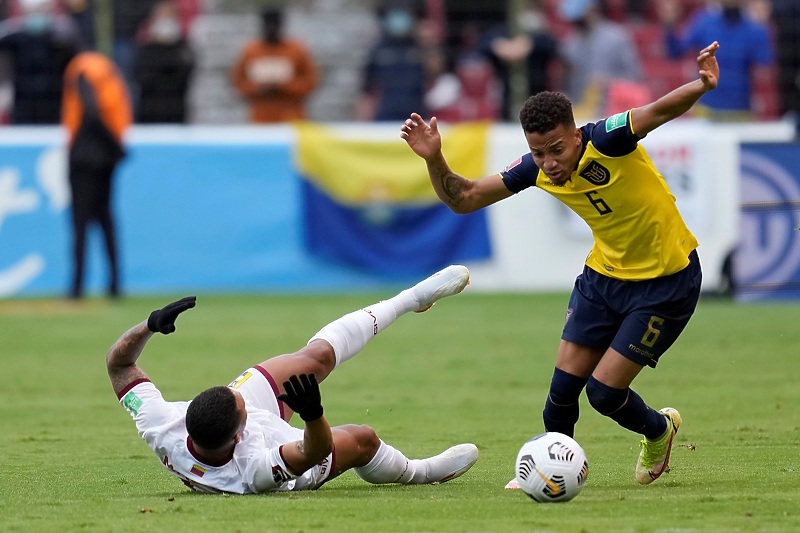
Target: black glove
[302,396]
[163,320]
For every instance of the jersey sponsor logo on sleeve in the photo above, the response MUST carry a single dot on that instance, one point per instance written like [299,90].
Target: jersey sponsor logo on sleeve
[596,173]
[616,121]
[132,402]
[514,163]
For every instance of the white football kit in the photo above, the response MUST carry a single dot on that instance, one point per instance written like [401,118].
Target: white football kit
[255,465]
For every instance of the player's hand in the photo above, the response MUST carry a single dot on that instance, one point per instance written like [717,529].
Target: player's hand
[163,320]
[422,138]
[302,396]
[708,67]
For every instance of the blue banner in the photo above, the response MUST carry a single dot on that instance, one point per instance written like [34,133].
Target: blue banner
[767,261]
[202,217]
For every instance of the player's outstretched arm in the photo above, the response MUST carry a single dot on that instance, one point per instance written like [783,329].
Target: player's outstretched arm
[123,354]
[301,394]
[674,104]
[455,191]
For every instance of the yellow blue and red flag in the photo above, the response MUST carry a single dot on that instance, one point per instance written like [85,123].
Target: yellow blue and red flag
[369,203]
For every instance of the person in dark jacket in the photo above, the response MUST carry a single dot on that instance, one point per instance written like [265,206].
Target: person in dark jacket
[39,45]
[96,111]
[162,67]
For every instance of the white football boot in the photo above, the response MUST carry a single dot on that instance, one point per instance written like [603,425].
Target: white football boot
[447,282]
[450,464]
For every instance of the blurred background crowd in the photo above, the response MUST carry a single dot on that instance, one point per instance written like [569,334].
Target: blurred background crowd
[229,62]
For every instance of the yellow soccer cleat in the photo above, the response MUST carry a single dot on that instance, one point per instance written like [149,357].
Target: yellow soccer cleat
[654,457]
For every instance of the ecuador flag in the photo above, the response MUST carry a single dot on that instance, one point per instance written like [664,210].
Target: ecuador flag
[369,203]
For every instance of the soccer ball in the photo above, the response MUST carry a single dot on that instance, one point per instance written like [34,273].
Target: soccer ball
[551,467]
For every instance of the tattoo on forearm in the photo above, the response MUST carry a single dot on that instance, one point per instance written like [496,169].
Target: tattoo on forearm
[453,187]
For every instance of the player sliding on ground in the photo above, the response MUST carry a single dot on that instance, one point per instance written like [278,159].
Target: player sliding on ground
[641,280]
[237,439]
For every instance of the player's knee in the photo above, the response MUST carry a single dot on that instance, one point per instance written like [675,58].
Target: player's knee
[604,399]
[322,353]
[365,440]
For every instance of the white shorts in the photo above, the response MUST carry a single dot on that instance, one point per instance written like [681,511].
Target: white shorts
[259,390]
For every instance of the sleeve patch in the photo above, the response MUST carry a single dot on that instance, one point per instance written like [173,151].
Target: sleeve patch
[132,403]
[513,164]
[616,121]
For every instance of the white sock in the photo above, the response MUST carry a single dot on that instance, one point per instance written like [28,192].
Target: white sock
[389,465]
[350,333]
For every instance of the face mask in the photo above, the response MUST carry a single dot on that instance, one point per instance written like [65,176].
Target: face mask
[398,23]
[37,22]
[166,29]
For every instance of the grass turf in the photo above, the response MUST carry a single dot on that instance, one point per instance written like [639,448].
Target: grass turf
[474,369]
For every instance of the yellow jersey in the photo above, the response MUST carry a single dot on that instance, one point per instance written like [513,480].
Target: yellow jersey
[616,189]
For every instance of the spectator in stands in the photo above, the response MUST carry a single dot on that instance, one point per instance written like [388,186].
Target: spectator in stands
[162,66]
[39,44]
[395,75]
[96,113]
[786,18]
[275,74]
[745,54]
[127,18]
[82,14]
[531,46]
[595,55]
[465,87]
[340,35]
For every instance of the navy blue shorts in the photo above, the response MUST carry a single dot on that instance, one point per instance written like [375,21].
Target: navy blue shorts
[639,319]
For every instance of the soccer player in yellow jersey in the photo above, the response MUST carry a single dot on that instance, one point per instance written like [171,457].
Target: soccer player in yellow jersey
[641,281]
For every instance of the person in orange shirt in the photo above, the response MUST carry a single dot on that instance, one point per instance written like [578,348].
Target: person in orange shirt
[274,74]
[96,111]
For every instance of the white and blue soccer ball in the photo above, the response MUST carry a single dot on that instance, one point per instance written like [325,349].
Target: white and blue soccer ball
[551,467]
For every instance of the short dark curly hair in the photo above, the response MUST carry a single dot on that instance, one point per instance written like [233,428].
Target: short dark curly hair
[545,111]
[212,418]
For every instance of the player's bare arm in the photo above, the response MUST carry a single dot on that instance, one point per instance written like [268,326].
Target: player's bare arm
[123,354]
[455,191]
[317,443]
[674,104]
[303,397]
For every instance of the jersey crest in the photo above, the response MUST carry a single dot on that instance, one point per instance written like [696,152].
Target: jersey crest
[596,173]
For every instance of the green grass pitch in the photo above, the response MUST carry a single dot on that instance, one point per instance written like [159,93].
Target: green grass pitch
[474,369]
